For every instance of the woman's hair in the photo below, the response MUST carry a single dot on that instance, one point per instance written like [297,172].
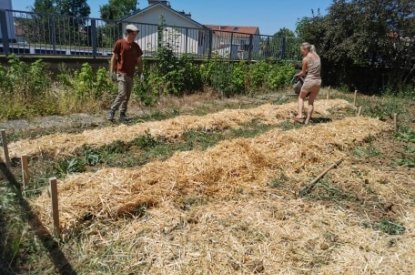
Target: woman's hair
[309,47]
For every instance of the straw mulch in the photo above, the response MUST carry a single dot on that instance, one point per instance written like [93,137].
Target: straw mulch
[62,144]
[220,172]
[270,236]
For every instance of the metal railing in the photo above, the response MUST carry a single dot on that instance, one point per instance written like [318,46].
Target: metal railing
[28,33]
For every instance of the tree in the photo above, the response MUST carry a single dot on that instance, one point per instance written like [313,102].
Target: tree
[48,26]
[372,38]
[284,33]
[75,8]
[116,9]
[285,41]
[44,6]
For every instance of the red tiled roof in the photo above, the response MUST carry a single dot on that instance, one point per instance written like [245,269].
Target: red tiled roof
[237,29]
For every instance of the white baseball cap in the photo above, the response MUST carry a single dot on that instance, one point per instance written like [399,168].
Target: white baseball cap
[131,27]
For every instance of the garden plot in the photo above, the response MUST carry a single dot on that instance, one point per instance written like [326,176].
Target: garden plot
[247,235]
[218,172]
[170,129]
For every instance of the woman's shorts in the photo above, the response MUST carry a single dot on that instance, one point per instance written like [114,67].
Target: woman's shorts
[309,85]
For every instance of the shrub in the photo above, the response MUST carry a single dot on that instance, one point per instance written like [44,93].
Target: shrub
[279,76]
[84,81]
[238,78]
[258,72]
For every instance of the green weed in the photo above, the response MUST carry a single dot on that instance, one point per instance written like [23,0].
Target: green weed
[389,227]
[146,141]
[367,151]
[326,191]
[288,125]
[406,134]
[278,181]
[69,166]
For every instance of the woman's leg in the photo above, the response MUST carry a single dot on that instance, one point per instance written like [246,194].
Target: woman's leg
[301,98]
[311,98]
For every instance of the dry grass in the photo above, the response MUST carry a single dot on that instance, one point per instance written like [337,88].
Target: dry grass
[61,144]
[218,172]
[274,235]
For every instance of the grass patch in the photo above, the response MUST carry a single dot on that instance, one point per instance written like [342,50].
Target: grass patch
[325,190]
[366,151]
[16,238]
[406,134]
[390,227]
[406,162]
[278,181]
[288,125]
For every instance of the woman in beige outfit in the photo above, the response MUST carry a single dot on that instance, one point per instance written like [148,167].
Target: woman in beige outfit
[311,70]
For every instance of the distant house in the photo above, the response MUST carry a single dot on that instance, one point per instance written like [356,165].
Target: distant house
[234,41]
[181,32]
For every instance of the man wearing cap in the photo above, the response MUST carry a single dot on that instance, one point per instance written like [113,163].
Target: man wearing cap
[127,54]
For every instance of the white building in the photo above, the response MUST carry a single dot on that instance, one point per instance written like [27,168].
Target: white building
[235,41]
[180,31]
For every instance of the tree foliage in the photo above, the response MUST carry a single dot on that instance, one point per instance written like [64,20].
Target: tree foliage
[57,21]
[116,9]
[372,38]
[77,8]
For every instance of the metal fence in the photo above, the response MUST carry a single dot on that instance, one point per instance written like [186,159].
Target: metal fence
[28,33]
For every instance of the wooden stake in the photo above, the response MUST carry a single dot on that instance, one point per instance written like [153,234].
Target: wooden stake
[25,171]
[355,98]
[395,122]
[5,147]
[311,185]
[328,94]
[55,206]
[359,112]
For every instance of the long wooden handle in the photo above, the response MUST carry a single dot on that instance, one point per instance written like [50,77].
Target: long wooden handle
[311,185]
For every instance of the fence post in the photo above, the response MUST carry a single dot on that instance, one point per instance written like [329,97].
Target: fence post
[231,49]
[251,46]
[4,32]
[210,44]
[53,33]
[94,37]
[187,40]
[283,47]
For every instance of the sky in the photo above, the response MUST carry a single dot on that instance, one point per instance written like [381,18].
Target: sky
[268,15]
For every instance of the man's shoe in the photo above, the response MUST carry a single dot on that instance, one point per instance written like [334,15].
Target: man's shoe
[111,115]
[123,117]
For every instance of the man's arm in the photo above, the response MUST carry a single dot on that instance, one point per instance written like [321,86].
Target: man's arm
[115,56]
[113,63]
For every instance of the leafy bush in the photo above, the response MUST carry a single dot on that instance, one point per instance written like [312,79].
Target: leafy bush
[170,75]
[27,89]
[22,80]
[279,76]
[258,72]
[238,78]
[84,81]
